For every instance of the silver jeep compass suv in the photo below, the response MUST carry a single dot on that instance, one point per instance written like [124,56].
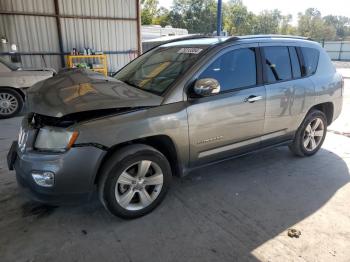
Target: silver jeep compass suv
[179,106]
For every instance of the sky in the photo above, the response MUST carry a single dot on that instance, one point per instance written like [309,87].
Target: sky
[334,7]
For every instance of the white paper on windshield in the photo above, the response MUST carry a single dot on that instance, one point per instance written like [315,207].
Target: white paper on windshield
[190,50]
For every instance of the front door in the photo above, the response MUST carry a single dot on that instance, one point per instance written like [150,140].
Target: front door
[232,121]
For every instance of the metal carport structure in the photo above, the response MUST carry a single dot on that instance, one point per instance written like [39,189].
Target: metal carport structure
[46,30]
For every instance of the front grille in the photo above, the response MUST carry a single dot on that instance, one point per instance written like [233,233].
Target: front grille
[22,139]
[38,121]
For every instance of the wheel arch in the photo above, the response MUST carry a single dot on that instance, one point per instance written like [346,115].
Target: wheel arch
[18,90]
[327,108]
[162,143]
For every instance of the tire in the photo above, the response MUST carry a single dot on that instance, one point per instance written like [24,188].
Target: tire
[303,144]
[114,185]
[11,103]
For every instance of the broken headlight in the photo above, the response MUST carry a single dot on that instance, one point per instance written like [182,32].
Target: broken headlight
[55,139]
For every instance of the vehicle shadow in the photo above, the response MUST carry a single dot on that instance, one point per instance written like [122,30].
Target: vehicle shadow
[253,199]
[219,213]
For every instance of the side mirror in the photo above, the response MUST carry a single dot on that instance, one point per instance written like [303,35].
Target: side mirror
[206,87]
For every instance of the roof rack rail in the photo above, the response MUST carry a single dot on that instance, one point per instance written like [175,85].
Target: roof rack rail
[187,38]
[235,38]
[232,39]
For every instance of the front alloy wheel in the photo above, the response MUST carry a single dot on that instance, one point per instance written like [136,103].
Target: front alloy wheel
[134,181]
[139,185]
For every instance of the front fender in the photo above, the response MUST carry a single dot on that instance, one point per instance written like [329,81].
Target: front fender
[168,120]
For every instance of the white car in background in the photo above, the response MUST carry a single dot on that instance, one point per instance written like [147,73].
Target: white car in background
[13,82]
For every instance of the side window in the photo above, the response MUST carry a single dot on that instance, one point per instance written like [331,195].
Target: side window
[295,62]
[277,64]
[234,69]
[310,59]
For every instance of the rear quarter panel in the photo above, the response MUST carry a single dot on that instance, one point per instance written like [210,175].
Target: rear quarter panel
[328,84]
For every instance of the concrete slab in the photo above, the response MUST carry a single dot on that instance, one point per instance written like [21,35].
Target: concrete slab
[342,124]
[345,72]
[236,211]
[343,67]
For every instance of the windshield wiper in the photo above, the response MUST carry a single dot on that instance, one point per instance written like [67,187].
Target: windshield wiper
[138,87]
[131,84]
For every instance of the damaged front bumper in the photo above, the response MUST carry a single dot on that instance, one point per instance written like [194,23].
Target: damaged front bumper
[74,173]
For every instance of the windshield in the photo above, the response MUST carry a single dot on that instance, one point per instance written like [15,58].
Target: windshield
[157,69]
[11,66]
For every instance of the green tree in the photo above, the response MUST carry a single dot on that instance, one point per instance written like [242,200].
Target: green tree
[339,23]
[197,16]
[149,9]
[267,22]
[311,24]
[237,19]
[162,17]
[286,28]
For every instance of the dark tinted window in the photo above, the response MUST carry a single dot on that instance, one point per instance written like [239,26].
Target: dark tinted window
[233,69]
[310,59]
[295,62]
[277,64]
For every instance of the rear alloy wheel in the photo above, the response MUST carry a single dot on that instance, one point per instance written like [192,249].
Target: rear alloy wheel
[310,135]
[134,181]
[313,134]
[11,103]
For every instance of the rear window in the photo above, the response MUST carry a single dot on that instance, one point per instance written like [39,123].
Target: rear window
[311,56]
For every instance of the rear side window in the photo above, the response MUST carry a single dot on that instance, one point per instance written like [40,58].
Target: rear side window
[234,69]
[310,59]
[277,64]
[295,62]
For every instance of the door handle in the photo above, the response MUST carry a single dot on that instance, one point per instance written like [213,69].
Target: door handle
[252,98]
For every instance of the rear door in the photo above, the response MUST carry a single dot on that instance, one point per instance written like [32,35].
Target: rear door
[286,91]
[233,120]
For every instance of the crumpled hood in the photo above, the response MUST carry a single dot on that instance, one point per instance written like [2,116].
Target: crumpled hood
[79,90]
